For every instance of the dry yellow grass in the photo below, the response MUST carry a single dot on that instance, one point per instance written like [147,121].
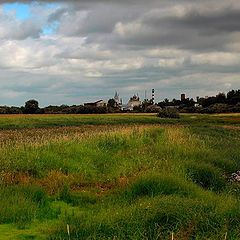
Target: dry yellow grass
[13,178]
[55,181]
[176,135]
[71,115]
[41,136]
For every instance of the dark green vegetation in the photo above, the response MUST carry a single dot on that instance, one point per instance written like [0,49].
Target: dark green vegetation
[136,177]
[168,113]
[221,103]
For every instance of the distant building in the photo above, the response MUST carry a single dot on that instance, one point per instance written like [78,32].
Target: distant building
[118,101]
[116,98]
[183,97]
[133,102]
[197,105]
[99,103]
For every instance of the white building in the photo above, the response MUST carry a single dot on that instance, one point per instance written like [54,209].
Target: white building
[133,102]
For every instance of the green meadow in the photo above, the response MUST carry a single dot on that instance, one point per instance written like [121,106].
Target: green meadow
[123,176]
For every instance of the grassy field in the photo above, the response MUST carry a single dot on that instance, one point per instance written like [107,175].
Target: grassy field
[127,176]
[63,120]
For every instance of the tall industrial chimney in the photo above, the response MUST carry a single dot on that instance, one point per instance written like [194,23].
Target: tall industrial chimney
[153,96]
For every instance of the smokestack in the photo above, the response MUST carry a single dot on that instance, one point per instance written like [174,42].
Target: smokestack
[153,96]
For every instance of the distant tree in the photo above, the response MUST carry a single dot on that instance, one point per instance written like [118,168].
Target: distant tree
[176,102]
[112,103]
[146,103]
[206,102]
[230,94]
[53,109]
[15,110]
[233,97]
[31,107]
[3,110]
[221,98]
[166,100]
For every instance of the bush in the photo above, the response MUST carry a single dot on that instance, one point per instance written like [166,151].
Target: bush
[168,113]
[160,185]
[236,108]
[219,108]
[206,176]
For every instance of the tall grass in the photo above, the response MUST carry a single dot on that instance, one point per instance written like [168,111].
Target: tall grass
[126,182]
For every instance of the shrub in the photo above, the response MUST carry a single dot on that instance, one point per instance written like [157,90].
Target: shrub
[219,108]
[160,185]
[206,176]
[168,113]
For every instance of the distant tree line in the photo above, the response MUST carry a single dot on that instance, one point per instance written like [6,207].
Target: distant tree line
[32,107]
[221,103]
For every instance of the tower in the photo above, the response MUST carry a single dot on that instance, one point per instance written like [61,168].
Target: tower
[183,97]
[116,97]
[153,96]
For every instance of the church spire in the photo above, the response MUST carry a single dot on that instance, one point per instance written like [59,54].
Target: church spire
[116,97]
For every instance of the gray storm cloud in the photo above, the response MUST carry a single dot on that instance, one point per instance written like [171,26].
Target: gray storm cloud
[97,47]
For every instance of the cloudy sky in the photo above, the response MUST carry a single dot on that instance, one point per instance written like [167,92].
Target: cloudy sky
[74,51]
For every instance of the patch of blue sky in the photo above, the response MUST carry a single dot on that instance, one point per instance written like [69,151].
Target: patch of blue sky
[52,5]
[50,29]
[21,10]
